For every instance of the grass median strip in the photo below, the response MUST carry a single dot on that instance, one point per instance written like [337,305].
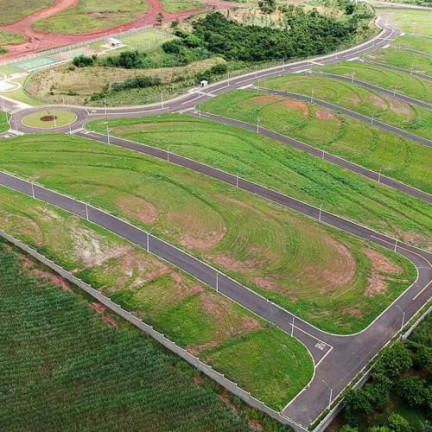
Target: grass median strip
[184,310]
[327,276]
[331,132]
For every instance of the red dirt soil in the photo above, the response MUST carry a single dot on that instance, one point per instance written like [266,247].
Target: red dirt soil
[41,41]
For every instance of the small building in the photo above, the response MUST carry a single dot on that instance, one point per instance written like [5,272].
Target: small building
[204,83]
[115,42]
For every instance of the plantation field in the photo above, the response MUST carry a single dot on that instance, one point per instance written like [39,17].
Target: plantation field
[284,169]
[4,126]
[403,59]
[17,9]
[93,15]
[372,104]
[363,144]
[401,82]
[67,367]
[327,276]
[181,5]
[192,315]
[9,38]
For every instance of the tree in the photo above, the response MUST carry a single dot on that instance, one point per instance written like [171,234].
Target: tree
[175,23]
[159,18]
[357,402]
[397,423]
[348,428]
[413,390]
[394,361]
[267,6]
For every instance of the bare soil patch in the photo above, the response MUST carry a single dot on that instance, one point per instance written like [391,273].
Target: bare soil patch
[48,118]
[138,208]
[378,101]
[322,114]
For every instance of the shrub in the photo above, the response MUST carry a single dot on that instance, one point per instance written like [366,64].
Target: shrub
[83,61]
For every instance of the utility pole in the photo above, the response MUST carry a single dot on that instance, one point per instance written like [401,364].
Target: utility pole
[379,175]
[352,77]
[108,135]
[257,124]
[33,191]
[86,212]
[331,394]
[403,317]
[292,326]
[217,281]
[320,212]
[312,95]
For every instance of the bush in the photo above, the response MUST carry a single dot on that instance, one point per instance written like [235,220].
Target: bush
[174,46]
[127,60]
[137,82]
[83,61]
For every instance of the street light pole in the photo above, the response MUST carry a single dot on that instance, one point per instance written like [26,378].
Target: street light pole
[331,394]
[312,95]
[403,316]
[257,124]
[108,135]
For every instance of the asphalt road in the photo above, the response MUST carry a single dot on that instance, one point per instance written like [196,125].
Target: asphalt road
[338,359]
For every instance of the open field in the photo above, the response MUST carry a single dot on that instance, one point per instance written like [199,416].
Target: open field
[93,15]
[327,276]
[147,39]
[373,104]
[415,43]
[7,38]
[284,169]
[401,82]
[187,312]
[351,139]
[403,59]
[49,119]
[412,21]
[17,9]
[181,5]
[4,126]
[79,369]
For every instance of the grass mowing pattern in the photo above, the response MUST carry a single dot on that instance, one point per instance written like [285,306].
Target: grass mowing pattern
[65,369]
[401,82]
[351,139]
[302,265]
[93,15]
[177,305]
[283,168]
[373,104]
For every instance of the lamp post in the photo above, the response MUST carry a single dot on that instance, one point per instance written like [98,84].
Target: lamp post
[331,394]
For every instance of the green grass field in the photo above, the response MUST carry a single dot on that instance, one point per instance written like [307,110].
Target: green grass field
[66,368]
[412,21]
[181,5]
[17,9]
[401,82]
[403,59]
[324,274]
[283,168]
[4,125]
[49,119]
[373,104]
[93,15]
[9,38]
[147,39]
[363,144]
[192,315]
[415,43]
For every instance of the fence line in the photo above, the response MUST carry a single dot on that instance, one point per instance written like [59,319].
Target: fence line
[75,45]
[149,330]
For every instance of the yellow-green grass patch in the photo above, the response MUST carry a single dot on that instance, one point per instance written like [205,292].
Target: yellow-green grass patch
[49,119]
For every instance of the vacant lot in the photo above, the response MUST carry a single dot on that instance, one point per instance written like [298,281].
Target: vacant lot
[401,82]
[9,38]
[93,15]
[373,104]
[189,313]
[12,11]
[366,145]
[327,275]
[66,366]
[284,169]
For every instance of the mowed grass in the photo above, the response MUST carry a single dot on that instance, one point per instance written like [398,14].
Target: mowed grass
[370,103]
[331,132]
[411,21]
[284,168]
[417,43]
[403,59]
[4,125]
[49,119]
[147,39]
[192,315]
[9,38]
[65,368]
[401,82]
[12,11]
[326,275]
[93,15]
[181,5]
